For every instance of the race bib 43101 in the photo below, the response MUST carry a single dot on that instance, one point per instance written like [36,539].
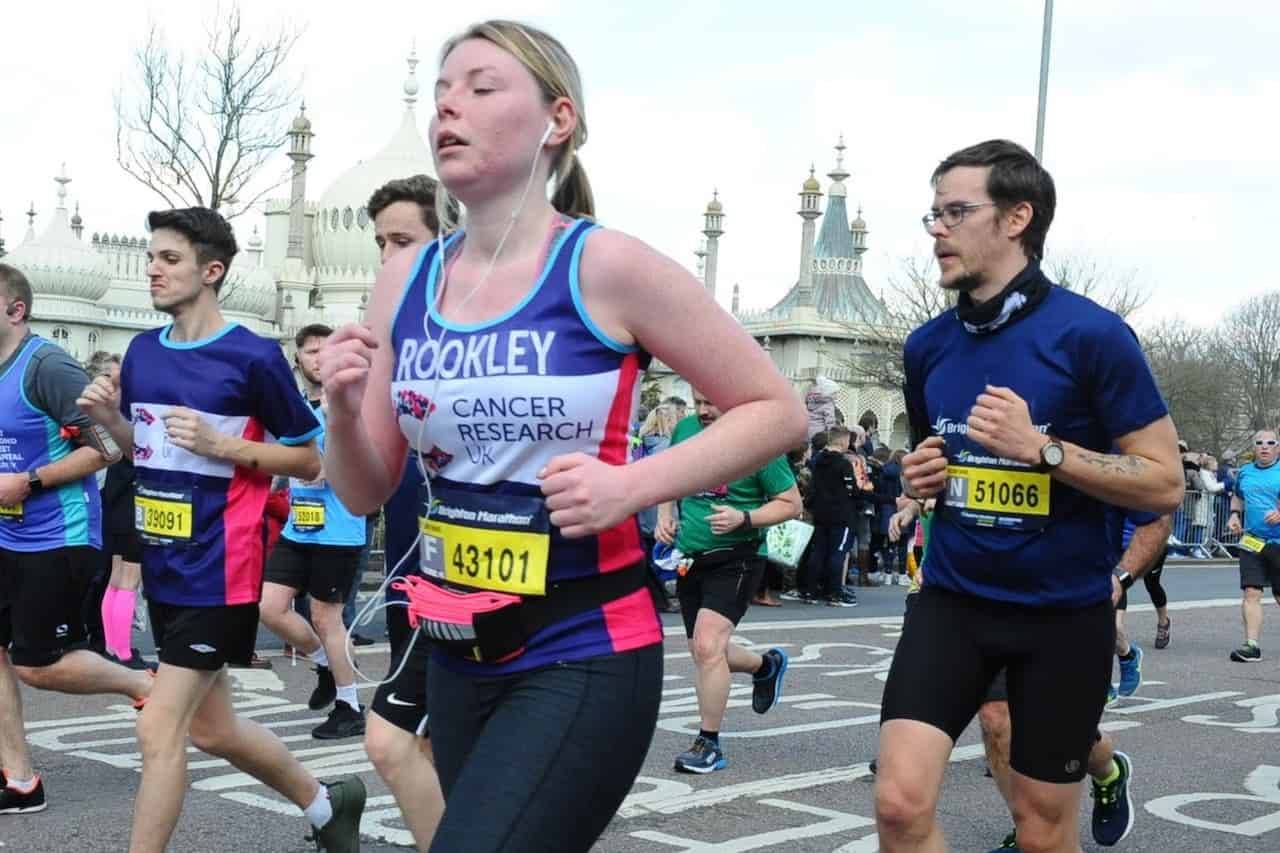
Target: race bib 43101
[497,542]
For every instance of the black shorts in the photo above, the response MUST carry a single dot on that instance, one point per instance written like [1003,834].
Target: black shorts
[204,638]
[403,700]
[725,589]
[1258,570]
[1057,662]
[324,572]
[999,689]
[42,595]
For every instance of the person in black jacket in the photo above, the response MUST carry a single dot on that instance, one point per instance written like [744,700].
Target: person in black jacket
[831,502]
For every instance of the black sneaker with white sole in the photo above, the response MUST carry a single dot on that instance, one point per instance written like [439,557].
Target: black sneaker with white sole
[15,802]
[344,721]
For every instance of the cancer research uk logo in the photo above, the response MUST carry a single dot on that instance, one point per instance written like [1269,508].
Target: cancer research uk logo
[413,404]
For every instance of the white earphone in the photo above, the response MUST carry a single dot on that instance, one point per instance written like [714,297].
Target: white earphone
[551,126]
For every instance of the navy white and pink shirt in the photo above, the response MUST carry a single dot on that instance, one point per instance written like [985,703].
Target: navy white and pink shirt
[240,385]
[503,397]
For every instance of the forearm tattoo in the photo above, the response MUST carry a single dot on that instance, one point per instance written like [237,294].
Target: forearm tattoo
[1129,464]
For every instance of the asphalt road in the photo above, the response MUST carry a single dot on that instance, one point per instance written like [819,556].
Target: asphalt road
[1204,735]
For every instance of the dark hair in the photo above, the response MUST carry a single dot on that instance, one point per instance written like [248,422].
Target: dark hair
[818,441]
[898,456]
[676,401]
[867,420]
[881,454]
[314,330]
[1015,177]
[209,234]
[419,189]
[17,287]
[836,433]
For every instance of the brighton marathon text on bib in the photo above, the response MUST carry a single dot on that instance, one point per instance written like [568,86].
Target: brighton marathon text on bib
[1252,543]
[162,515]
[497,542]
[11,513]
[308,513]
[1006,499]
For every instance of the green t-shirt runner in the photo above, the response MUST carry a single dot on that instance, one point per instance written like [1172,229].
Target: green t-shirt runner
[749,493]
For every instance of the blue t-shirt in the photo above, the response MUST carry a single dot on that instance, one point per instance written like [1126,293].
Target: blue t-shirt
[1082,374]
[1130,520]
[340,528]
[206,548]
[1260,489]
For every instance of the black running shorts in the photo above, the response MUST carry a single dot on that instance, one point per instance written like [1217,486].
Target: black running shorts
[324,572]
[999,689]
[1057,662]
[1153,572]
[1260,569]
[403,700]
[204,638]
[725,589]
[42,596]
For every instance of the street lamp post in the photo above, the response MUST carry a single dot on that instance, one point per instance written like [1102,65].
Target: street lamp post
[1044,77]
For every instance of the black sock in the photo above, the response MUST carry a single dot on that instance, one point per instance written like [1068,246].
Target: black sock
[1127,657]
[766,667]
[714,737]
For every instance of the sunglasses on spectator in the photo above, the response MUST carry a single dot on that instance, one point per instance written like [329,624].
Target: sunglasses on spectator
[1266,442]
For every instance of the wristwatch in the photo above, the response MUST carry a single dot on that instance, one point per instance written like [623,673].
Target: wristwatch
[1052,454]
[34,483]
[1126,579]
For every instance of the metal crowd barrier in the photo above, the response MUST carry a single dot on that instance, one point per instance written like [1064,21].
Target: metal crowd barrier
[1200,528]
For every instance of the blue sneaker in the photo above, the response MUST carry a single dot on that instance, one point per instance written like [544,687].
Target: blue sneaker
[705,756]
[1131,672]
[1112,695]
[768,688]
[1113,805]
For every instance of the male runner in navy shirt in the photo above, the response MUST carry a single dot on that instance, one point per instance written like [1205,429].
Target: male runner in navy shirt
[1025,388]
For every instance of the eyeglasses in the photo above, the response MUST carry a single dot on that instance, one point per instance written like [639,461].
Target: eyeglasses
[952,215]
[1266,442]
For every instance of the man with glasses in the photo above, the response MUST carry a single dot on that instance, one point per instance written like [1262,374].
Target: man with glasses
[1016,399]
[1257,501]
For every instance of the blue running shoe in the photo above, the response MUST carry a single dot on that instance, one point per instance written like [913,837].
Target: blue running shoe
[1113,805]
[768,687]
[1131,672]
[705,756]
[1112,695]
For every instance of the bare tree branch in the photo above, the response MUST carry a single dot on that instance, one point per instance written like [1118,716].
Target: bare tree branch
[201,131]
[1083,274]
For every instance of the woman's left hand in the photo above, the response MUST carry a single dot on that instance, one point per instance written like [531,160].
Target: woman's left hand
[585,495]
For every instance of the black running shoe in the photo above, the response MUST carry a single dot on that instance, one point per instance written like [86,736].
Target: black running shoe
[1010,842]
[16,802]
[1247,653]
[360,639]
[326,690]
[342,833]
[1113,805]
[768,689]
[344,721]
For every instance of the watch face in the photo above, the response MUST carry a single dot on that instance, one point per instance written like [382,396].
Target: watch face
[1052,454]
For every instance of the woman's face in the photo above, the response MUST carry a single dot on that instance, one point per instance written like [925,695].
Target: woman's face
[488,120]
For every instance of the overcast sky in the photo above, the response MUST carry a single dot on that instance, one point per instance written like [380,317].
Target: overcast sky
[1161,134]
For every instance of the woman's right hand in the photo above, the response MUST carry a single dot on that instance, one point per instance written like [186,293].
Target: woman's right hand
[345,362]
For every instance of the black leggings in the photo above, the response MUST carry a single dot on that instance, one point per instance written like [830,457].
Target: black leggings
[540,760]
[1151,580]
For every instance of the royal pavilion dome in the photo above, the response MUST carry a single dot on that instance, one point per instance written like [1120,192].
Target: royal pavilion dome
[58,264]
[249,288]
[343,231]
